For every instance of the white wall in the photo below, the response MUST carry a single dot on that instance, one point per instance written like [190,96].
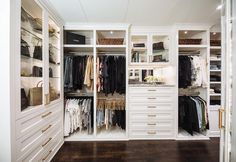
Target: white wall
[5,136]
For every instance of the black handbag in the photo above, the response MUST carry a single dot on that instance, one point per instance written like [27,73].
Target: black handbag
[24,100]
[37,71]
[139,45]
[158,46]
[72,38]
[24,48]
[38,53]
[50,73]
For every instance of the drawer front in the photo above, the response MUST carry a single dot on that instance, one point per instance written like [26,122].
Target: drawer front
[50,151]
[151,116]
[151,106]
[38,154]
[26,125]
[152,125]
[151,99]
[151,133]
[151,90]
[42,137]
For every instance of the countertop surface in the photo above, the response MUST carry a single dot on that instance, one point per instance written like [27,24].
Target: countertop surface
[143,84]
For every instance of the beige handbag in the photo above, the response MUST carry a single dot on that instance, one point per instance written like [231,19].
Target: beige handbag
[35,95]
[53,94]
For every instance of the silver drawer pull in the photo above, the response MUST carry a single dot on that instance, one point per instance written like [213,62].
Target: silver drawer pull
[152,107]
[152,115]
[43,159]
[46,142]
[152,98]
[152,90]
[152,132]
[44,130]
[44,116]
[152,124]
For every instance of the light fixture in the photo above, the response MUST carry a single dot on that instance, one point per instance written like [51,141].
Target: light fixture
[111,32]
[186,32]
[219,7]
[214,33]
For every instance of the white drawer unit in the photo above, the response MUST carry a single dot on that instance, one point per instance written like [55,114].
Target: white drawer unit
[134,106]
[151,90]
[45,151]
[152,124]
[146,115]
[40,137]
[151,113]
[151,134]
[29,123]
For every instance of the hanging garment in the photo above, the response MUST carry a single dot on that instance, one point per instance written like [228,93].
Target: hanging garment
[193,116]
[111,75]
[89,73]
[78,116]
[192,71]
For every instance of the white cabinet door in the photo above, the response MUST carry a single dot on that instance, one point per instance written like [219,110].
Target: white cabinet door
[228,114]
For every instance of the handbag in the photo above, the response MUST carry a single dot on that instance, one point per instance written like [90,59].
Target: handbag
[24,100]
[38,53]
[53,94]
[37,71]
[24,48]
[35,94]
[158,46]
[51,55]
[50,72]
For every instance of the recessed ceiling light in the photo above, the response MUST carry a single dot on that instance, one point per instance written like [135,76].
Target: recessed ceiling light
[186,32]
[219,7]
[111,32]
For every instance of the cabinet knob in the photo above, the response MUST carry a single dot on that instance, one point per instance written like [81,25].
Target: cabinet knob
[44,130]
[46,142]
[152,124]
[152,115]
[152,132]
[152,90]
[43,159]
[152,107]
[152,98]
[44,116]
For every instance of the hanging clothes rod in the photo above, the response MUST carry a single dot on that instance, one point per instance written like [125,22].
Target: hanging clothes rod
[111,54]
[79,53]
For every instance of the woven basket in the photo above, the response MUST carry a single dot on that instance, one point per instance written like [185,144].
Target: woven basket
[111,41]
[190,41]
[215,42]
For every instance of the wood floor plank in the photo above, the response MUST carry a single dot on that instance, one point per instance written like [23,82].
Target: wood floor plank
[140,151]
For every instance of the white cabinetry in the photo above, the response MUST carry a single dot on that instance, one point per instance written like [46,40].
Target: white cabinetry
[38,127]
[151,113]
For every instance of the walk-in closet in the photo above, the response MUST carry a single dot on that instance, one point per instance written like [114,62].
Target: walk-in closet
[130,80]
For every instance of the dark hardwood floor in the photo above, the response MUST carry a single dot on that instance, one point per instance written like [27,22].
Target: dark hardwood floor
[140,151]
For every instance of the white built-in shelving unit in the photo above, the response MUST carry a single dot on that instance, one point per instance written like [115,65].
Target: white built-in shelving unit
[92,47]
[193,32]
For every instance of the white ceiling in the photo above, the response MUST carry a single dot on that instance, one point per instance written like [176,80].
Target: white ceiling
[138,12]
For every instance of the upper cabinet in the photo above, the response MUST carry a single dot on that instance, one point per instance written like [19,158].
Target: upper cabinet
[40,58]
[149,48]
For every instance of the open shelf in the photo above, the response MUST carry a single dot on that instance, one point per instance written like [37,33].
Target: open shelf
[80,136]
[184,135]
[112,133]
[78,48]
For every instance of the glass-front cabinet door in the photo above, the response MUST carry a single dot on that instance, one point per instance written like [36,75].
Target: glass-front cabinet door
[54,61]
[31,55]
[139,49]
[160,49]
[40,56]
